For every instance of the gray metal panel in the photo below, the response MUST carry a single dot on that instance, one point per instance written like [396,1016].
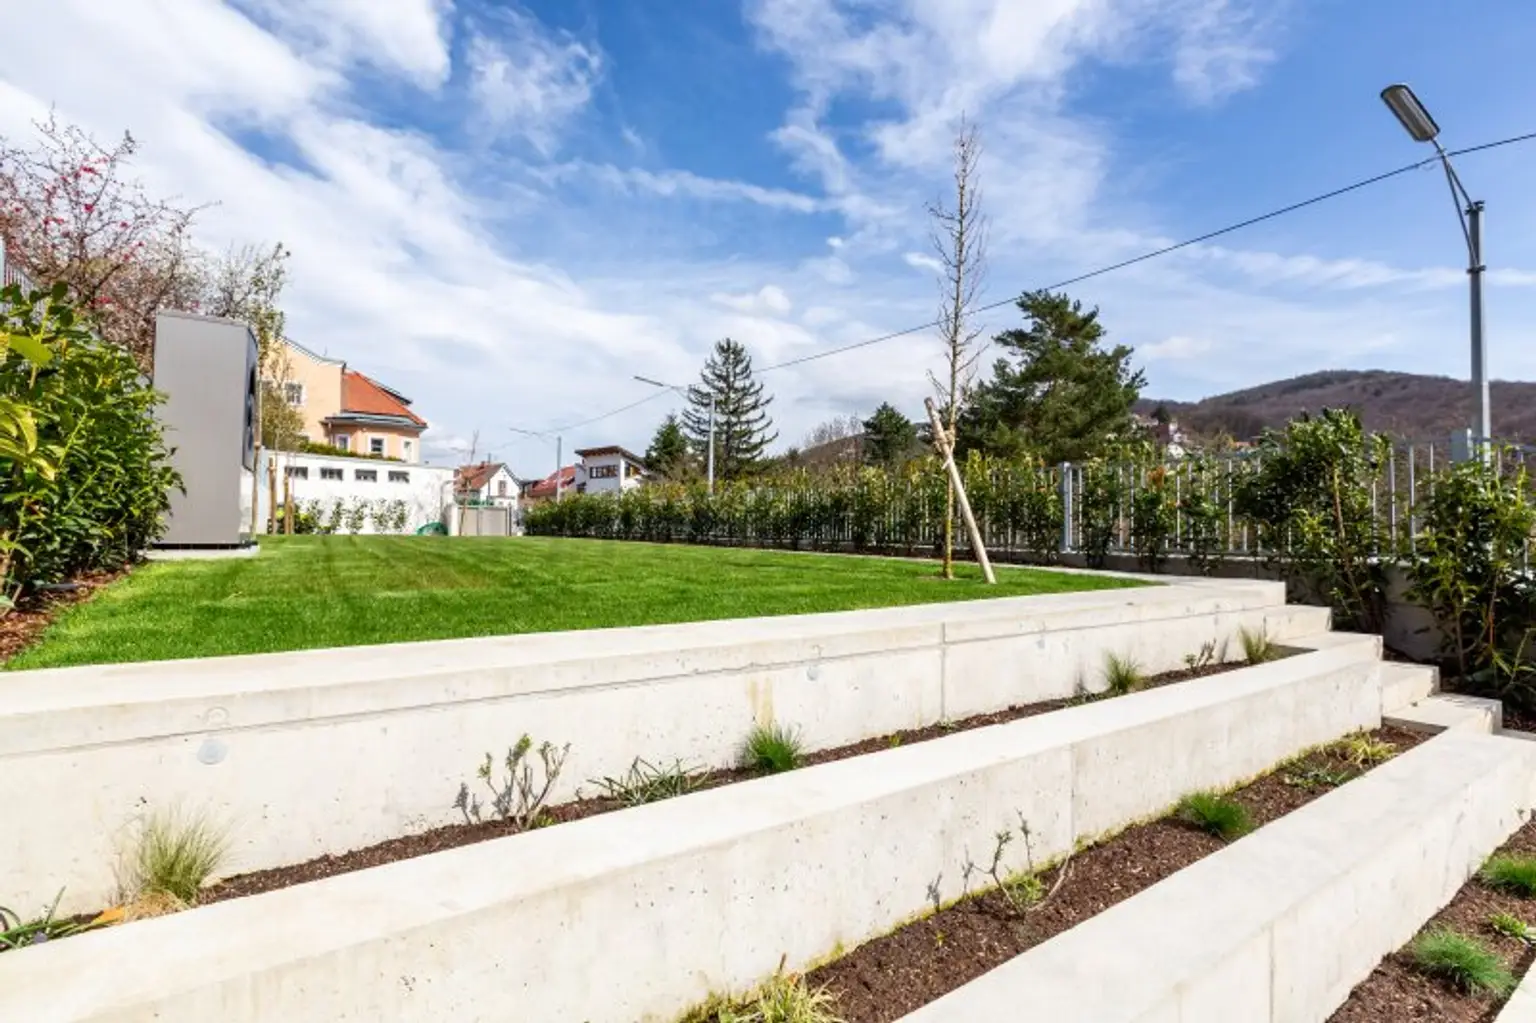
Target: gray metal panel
[206,368]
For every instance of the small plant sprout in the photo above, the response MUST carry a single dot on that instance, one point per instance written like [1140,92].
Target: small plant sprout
[517,798]
[1022,890]
[1215,814]
[782,1000]
[174,857]
[1122,675]
[1257,646]
[1511,926]
[16,933]
[1513,874]
[1204,659]
[645,782]
[772,749]
[1362,751]
[1461,963]
[1310,776]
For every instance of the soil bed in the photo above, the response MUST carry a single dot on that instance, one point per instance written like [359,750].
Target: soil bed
[454,835]
[1396,992]
[25,623]
[884,979]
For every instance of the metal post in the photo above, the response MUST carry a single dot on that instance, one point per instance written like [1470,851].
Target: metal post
[710,458]
[559,469]
[1479,346]
[1066,507]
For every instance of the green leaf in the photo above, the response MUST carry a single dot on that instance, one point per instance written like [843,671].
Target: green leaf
[29,348]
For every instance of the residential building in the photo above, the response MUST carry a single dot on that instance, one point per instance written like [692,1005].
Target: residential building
[488,483]
[608,470]
[346,409]
[545,489]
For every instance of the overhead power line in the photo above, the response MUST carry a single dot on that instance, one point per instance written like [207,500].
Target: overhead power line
[1101,271]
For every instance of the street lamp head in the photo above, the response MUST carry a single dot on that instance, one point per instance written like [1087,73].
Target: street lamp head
[653,383]
[1410,112]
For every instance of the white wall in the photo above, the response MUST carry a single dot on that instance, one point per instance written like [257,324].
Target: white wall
[637,914]
[624,477]
[322,751]
[424,492]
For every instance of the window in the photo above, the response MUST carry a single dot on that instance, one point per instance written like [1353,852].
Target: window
[396,476]
[602,472]
[501,488]
[330,474]
[375,445]
[298,472]
[366,475]
[408,448]
[293,394]
[344,441]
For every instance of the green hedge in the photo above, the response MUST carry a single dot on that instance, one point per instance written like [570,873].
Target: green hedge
[84,471]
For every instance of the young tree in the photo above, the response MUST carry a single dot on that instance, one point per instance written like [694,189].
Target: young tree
[889,437]
[960,239]
[743,429]
[668,454]
[247,284]
[1058,393]
[70,212]
[834,429]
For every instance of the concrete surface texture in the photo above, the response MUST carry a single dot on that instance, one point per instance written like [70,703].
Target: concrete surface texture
[303,754]
[1281,925]
[637,914]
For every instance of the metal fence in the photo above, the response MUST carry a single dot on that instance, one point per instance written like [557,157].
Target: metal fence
[11,273]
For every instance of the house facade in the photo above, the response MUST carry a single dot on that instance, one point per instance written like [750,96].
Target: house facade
[556,484]
[488,483]
[347,409]
[608,470]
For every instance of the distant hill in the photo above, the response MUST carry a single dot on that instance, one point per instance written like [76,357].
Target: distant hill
[1402,404]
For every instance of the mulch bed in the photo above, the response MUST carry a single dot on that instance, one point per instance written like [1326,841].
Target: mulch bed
[455,835]
[1395,992]
[25,623]
[884,979]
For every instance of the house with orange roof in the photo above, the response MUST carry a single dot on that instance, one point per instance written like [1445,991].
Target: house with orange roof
[347,409]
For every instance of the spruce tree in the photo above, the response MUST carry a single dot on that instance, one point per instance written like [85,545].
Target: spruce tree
[1059,393]
[668,454]
[889,437]
[743,429]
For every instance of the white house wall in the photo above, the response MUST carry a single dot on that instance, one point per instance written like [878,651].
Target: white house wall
[428,490]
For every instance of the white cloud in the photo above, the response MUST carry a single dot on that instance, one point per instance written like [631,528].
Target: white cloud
[922,261]
[407,36]
[683,184]
[528,81]
[768,299]
[1177,347]
[1222,49]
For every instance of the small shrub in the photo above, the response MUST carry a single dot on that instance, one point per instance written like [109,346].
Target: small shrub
[1204,659]
[772,749]
[1122,675]
[1513,874]
[645,782]
[1311,776]
[1460,962]
[175,856]
[1362,751]
[1257,646]
[1023,890]
[1511,926]
[1217,815]
[781,1000]
[517,797]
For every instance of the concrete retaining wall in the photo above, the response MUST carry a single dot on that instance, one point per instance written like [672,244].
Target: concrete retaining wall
[317,752]
[1280,926]
[637,914]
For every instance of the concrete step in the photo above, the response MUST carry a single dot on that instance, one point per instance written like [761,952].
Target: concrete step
[1521,1007]
[1281,925]
[1447,711]
[1405,684]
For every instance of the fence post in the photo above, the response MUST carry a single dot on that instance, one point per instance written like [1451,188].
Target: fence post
[1066,507]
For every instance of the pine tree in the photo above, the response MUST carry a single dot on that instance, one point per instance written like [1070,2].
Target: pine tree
[668,454]
[743,429]
[1058,393]
[889,437]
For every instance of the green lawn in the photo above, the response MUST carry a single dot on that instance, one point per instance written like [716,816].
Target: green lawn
[304,592]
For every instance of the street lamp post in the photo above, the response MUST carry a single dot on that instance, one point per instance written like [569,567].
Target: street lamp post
[1416,120]
[559,454]
[709,458]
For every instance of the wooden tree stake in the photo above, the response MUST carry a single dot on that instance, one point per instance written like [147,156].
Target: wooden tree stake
[943,442]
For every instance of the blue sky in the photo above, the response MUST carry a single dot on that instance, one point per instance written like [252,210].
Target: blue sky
[507,209]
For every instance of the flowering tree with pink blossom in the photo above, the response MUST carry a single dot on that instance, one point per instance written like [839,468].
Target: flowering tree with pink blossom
[72,213]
